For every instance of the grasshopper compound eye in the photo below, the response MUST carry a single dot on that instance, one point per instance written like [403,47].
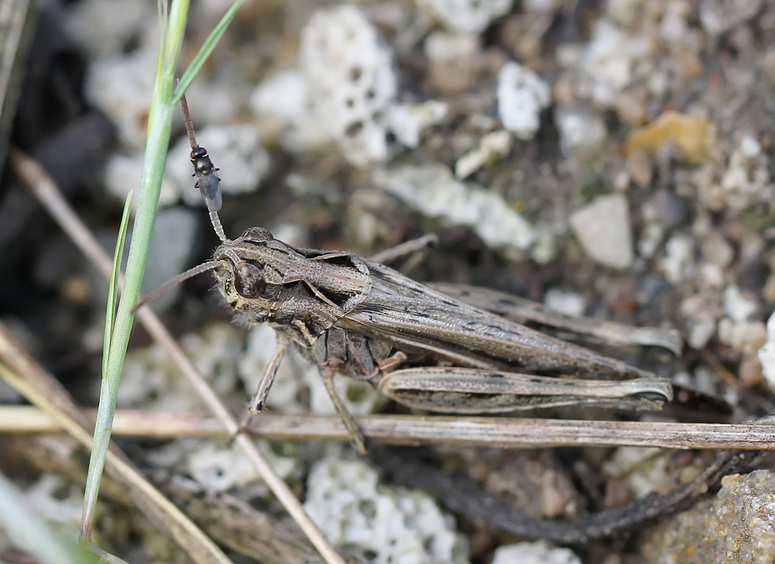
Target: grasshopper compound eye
[249,281]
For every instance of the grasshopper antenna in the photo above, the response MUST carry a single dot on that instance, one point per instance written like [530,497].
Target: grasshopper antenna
[182,277]
[207,181]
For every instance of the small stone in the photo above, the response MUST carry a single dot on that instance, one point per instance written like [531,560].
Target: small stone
[700,333]
[466,16]
[672,209]
[174,236]
[569,303]
[122,174]
[739,306]
[640,165]
[522,94]
[767,353]
[491,147]
[604,232]
[408,120]
[744,337]
[540,552]
[105,29]
[712,275]
[452,59]
[121,87]
[717,250]
[678,260]
[581,131]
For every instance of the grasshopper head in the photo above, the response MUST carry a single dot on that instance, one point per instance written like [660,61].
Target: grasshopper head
[250,273]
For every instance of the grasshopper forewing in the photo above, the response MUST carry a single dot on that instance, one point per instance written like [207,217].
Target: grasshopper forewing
[415,344]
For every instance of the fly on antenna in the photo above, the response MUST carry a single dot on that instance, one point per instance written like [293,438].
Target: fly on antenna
[207,181]
[209,185]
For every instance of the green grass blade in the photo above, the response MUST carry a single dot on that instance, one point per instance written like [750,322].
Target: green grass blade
[118,258]
[157,143]
[205,50]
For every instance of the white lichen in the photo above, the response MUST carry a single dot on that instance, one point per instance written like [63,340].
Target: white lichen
[582,133]
[151,379]
[408,120]
[466,16]
[350,70]
[613,59]
[522,94]
[374,523]
[434,191]
[219,468]
[121,87]
[284,104]
[746,179]
[298,387]
[540,552]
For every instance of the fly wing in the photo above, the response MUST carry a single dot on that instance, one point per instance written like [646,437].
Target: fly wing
[417,319]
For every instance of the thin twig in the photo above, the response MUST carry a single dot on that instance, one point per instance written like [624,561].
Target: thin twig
[421,430]
[51,198]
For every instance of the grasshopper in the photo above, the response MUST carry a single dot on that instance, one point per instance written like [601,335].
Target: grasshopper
[419,346]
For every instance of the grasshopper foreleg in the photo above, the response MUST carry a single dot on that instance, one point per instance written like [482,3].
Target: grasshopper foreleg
[356,435]
[258,400]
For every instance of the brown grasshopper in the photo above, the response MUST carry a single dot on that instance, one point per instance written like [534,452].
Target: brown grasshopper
[423,348]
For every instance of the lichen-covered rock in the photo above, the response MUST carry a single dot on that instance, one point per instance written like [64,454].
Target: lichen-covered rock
[466,16]
[737,526]
[152,380]
[121,88]
[284,105]
[540,552]
[433,190]
[375,523]
[350,69]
